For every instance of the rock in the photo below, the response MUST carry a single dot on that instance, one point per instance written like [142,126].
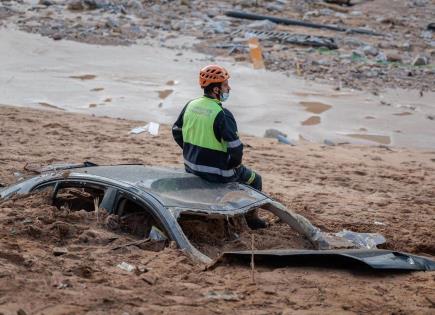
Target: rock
[59,251]
[57,36]
[309,14]
[427,35]
[218,27]
[134,5]
[320,63]
[47,3]
[370,51]
[274,7]
[431,27]
[327,12]
[381,57]
[420,60]
[21,312]
[76,5]
[273,133]
[112,23]
[263,25]
[356,13]
[247,3]
[394,57]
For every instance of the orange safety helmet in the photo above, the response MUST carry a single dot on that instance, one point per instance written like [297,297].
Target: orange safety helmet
[212,74]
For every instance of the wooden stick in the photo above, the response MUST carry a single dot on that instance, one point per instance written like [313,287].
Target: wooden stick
[252,259]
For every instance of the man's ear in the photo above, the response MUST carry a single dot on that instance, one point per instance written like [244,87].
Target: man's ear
[216,90]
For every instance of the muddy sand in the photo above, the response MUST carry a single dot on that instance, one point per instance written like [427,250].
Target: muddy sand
[365,189]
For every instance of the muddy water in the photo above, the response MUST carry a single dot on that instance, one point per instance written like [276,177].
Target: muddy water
[37,71]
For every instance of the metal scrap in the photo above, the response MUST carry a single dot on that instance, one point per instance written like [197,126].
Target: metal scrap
[285,37]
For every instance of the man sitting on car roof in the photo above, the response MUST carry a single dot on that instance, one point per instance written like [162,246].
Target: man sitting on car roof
[208,135]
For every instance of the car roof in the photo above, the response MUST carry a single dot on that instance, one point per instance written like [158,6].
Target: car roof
[178,189]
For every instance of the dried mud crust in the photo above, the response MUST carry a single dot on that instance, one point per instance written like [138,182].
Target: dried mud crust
[212,236]
[345,186]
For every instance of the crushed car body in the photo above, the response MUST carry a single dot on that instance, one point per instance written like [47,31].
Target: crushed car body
[164,195]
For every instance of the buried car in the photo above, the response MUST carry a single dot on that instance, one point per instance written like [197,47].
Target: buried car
[166,203]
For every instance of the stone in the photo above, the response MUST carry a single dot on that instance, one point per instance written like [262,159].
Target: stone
[134,5]
[274,7]
[218,27]
[47,3]
[420,60]
[57,36]
[76,5]
[112,23]
[394,57]
[59,251]
[327,12]
[370,51]
[309,14]
[381,57]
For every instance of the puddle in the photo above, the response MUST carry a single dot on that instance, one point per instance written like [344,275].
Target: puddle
[49,105]
[403,114]
[83,77]
[165,93]
[306,94]
[369,117]
[374,138]
[313,120]
[315,107]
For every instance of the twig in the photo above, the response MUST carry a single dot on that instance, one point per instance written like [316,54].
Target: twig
[252,259]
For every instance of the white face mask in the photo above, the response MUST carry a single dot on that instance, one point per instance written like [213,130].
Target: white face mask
[224,96]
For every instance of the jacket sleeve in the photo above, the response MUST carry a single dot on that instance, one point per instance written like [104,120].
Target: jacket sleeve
[225,127]
[178,127]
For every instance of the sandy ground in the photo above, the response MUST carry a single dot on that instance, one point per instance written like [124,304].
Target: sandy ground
[366,189]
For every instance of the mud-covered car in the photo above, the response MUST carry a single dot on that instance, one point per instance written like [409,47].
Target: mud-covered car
[204,219]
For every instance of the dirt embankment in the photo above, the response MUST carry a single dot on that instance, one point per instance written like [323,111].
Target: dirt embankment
[59,262]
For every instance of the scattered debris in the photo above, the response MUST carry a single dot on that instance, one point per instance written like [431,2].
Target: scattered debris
[251,16]
[420,60]
[152,128]
[126,266]
[297,39]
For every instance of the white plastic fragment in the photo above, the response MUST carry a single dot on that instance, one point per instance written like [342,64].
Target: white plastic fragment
[152,128]
[126,266]
[138,130]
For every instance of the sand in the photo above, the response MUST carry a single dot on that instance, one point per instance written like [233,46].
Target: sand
[365,189]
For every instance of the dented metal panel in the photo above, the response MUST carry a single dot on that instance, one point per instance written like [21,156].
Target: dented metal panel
[373,258]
